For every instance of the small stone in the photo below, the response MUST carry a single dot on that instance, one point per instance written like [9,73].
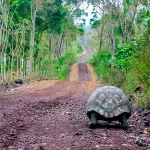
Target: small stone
[145,112]
[140,132]
[144,118]
[12,132]
[131,136]
[139,142]
[18,81]
[44,144]
[69,113]
[129,130]
[97,146]
[41,148]
[77,134]
[62,135]
[1,141]
[147,123]
[126,145]
[33,147]
[11,148]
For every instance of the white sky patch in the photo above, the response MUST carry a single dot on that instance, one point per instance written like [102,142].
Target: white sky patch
[88,9]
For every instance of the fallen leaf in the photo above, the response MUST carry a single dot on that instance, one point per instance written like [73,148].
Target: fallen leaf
[145,131]
[134,114]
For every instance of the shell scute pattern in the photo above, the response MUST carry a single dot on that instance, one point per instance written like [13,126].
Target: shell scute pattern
[109,101]
[109,97]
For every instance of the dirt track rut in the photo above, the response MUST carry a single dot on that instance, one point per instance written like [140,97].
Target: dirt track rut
[84,73]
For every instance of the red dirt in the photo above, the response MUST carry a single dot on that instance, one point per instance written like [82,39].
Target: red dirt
[52,117]
[84,73]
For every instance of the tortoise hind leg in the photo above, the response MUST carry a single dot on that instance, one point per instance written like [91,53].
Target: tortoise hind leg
[124,123]
[93,120]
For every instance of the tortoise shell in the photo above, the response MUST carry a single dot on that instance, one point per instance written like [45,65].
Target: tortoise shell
[109,102]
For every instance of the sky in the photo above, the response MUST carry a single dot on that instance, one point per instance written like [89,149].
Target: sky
[88,9]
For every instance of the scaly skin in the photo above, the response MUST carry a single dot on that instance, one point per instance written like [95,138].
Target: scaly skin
[93,120]
[95,117]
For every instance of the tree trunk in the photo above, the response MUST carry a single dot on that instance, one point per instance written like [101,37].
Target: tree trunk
[22,67]
[32,36]
[11,71]
[1,64]
[101,38]
[66,46]
[61,43]
[57,51]
[17,67]
[50,47]
[4,66]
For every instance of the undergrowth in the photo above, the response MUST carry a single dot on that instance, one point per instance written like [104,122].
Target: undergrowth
[59,69]
[117,72]
[56,69]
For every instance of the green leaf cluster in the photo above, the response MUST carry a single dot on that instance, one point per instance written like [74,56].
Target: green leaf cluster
[124,55]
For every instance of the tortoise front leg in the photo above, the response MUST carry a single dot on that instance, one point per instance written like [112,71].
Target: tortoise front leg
[124,123]
[93,120]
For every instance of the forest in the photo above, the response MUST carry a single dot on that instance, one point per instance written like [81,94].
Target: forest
[36,38]
[41,39]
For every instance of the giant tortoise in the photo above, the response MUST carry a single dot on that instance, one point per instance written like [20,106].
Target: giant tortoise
[108,103]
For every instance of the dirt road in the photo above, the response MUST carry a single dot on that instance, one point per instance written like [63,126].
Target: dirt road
[50,115]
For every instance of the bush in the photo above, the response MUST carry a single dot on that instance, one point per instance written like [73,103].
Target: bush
[64,64]
[108,73]
[142,99]
[112,71]
[124,54]
[79,49]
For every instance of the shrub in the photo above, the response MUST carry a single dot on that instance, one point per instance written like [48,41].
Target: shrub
[108,73]
[124,54]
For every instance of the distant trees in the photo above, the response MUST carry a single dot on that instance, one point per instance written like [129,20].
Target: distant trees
[117,23]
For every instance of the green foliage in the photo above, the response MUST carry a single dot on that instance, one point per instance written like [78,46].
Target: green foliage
[56,19]
[108,74]
[64,65]
[52,34]
[141,15]
[142,99]
[101,62]
[101,57]
[20,9]
[96,23]
[141,69]
[124,54]
[128,1]
[79,49]
[126,33]
[118,31]
[81,31]
[129,68]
